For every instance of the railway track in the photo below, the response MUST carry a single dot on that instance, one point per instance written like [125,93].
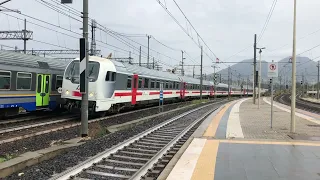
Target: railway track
[17,125]
[144,155]
[11,134]
[300,103]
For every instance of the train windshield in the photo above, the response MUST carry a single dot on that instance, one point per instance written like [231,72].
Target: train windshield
[73,74]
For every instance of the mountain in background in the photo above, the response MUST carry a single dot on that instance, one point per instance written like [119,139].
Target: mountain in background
[304,67]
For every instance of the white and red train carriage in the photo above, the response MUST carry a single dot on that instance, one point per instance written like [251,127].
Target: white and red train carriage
[114,85]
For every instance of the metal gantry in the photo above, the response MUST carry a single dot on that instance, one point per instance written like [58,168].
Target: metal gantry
[53,51]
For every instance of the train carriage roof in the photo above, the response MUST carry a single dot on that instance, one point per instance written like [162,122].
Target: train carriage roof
[25,60]
[130,69]
[127,68]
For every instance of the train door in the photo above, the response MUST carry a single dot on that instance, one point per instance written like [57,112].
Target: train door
[43,90]
[135,79]
[182,90]
[211,90]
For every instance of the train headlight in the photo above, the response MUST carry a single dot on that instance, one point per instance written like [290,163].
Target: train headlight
[67,92]
[91,94]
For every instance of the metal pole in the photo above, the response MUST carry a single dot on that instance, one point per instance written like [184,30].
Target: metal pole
[201,78]
[259,79]
[229,82]
[193,72]
[254,68]
[140,56]
[248,86]
[182,69]
[148,52]
[84,102]
[153,63]
[253,91]
[271,101]
[280,82]
[302,85]
[293,90]
[214,83]
[318,82]
[25,37]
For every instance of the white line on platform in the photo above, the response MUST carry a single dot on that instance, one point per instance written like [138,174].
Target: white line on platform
[234,129]
[311,119]
[188,161]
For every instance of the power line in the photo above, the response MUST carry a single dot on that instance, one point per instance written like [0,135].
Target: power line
[309,49]
[267,20]
[165,45]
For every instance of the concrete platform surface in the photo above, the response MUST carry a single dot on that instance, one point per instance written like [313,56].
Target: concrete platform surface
[311,100]
[240,144]
[248,160]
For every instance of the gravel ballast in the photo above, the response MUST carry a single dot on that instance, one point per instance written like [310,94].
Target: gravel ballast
[75,155]
[46,140]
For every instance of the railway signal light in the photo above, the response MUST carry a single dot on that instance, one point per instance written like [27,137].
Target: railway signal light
[301,82]
[270,81]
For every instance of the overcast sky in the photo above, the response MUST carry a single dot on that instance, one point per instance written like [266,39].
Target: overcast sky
[227,26]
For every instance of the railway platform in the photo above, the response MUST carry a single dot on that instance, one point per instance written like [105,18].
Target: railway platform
[314,100]
[237,142]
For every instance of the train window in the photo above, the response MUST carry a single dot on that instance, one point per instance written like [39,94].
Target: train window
[140,83]
[108,76]
[167,85]
[24,81]
[146,83]
[158,84]
[129,82]
[171,85]
[152,84]
[47,84]
[59,82]
[113,76]
[5,77]
[39,83]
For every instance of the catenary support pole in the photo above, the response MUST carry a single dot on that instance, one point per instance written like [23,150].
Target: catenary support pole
[148,51]
[254,68]
[259,87]
[25,37]
[318,81]
[140,56]
[293,88]
[201,75]
[84,102]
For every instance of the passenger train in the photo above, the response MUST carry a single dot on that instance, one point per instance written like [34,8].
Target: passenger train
[114,85]
[29,82]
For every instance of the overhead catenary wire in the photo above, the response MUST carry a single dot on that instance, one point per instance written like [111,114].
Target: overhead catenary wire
[99,24]
[274,3]
[184,30]
[78,34]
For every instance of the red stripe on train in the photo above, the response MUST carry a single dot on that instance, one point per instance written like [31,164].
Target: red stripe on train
[76,93]
[126,94]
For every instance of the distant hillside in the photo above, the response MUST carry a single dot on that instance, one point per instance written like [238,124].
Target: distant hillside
[305,66]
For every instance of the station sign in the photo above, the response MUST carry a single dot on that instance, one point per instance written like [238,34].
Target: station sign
[273,69]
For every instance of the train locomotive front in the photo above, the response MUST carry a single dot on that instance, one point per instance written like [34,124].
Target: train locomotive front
[100,87]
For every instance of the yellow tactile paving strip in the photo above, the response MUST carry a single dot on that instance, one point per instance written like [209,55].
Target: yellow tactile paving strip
[272,142]
[213,126]
[205,167]
[206,163]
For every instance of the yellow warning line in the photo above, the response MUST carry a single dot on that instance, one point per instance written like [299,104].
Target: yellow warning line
[205,167]
[272,142]
[212,128]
